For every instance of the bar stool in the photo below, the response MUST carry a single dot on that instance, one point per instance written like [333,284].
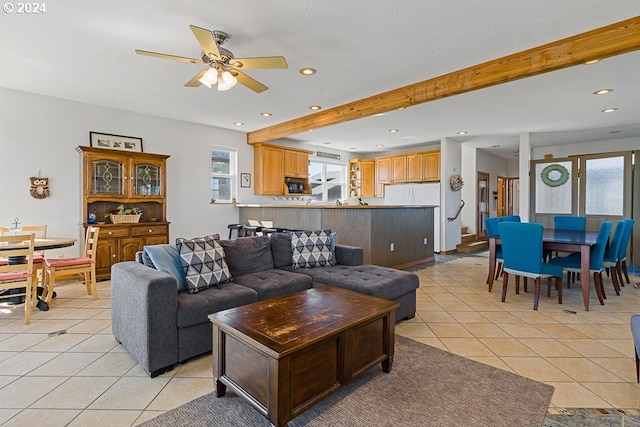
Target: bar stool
[236,227]
[249,230]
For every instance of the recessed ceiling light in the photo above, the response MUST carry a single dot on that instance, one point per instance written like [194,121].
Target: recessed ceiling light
[315,107]
[462,132]
[307,71]
[495,146]
[609,110]
[238,123]
[326,143]
[380,145]
[602,91]
[593,61]
[353,148]
[393,130]
[265,114]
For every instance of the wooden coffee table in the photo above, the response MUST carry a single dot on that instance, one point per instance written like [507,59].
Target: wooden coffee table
[285,354]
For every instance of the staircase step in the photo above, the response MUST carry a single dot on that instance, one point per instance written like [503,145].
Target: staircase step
[468,238]
[472,247]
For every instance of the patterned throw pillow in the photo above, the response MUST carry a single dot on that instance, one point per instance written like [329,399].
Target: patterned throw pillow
[202,262]
[311,248]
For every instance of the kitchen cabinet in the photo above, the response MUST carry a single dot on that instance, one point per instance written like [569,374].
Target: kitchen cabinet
[136,180]
[296,164]
[431,166]
[361,178]
[399,169]
[272,163]
[412,167]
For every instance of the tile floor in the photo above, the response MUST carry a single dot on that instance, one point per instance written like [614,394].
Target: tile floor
[83,378]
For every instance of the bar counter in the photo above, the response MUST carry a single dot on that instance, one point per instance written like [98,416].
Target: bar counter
[391,235]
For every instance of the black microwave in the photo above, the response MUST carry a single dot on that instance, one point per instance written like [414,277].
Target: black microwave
[295,187]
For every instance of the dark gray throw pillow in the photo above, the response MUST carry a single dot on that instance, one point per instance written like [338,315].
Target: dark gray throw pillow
[248,255]
[281,249]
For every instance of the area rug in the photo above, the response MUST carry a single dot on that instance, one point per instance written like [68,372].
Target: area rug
[426,387]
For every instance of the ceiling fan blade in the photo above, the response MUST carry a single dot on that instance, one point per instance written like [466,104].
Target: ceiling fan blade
[195,81]
[259,62]
[249,82]
[165,56]
[206,40]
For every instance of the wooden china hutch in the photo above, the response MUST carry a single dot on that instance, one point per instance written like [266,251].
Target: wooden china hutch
[111,178]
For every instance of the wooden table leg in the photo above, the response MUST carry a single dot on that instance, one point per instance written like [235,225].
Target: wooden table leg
[585,279]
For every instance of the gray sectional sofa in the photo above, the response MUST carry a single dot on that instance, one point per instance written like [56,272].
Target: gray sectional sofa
[161,326]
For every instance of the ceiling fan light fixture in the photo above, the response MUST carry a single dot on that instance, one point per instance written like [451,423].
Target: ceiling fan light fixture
[209,78]
[226,81]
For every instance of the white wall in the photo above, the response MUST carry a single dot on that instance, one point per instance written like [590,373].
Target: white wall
[41,133]
[450,164]
[624,144]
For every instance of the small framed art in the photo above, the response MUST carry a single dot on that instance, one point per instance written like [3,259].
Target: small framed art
[245,180]
[115,142]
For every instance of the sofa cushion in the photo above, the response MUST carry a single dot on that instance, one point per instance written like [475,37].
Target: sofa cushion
[281,249]
[311,248]
[193,309]
[203,262]
[165,257]
[274,283]
[248,255]
[382,282]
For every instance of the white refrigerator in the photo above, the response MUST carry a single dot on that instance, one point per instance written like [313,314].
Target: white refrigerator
[417,194]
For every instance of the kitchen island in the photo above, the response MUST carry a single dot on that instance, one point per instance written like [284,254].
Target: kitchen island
[390,235]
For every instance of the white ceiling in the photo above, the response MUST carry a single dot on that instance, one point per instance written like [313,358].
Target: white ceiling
[84,51]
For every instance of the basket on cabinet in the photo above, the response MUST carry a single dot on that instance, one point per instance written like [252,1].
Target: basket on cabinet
[125,219]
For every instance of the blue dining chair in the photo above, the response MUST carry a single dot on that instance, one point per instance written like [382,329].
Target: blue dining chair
[522,253]
[571,263]
[564,222]
[491,226]
[510,218]
[622,256]
[611,261]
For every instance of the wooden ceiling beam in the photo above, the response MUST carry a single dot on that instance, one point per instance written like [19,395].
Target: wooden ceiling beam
[604,42]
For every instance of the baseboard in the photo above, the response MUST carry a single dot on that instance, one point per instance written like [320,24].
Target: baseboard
[414,262]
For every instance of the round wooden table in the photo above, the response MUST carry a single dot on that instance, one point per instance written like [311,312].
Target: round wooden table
[40,244]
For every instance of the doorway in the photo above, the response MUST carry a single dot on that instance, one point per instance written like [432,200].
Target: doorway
[482,208]
[507,196]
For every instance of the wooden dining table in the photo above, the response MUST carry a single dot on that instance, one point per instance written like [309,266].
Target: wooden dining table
[558,240]
[40,244]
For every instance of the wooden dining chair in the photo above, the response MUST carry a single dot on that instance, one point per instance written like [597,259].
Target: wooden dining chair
[40,231]
[70,268]
[522,252]
[19,277]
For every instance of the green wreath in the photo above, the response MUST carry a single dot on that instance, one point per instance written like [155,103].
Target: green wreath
[546,178]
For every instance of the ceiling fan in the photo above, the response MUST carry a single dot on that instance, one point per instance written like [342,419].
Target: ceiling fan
[224,68]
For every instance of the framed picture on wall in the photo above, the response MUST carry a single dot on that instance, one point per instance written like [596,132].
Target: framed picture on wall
[245,180]
[115,142]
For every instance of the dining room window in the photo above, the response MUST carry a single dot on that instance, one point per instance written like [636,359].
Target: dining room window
[553,187]
[327,181]
[602,177]
[223,174]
